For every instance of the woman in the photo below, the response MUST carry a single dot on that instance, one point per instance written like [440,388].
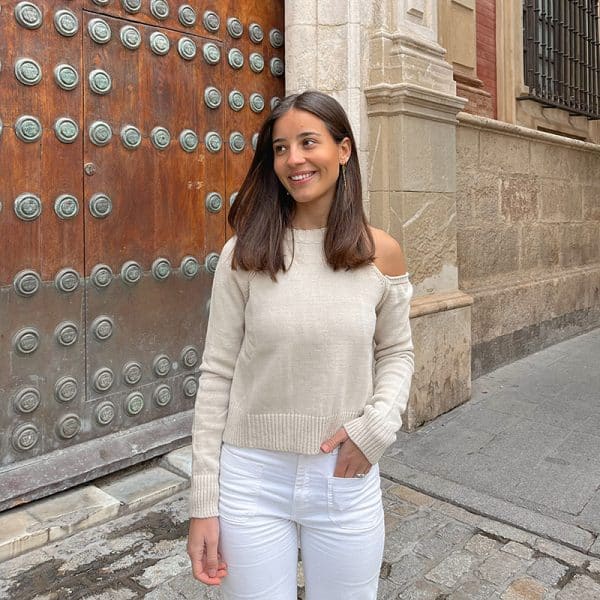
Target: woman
[305,373]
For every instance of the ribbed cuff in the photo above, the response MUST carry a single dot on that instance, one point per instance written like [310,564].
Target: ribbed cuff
[204,498]
[371,434]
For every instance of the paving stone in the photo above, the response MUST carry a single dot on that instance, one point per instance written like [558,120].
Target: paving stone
[162,570]
[449,572]
[519,550]
[455,533]
[499,567]
[114,594]
[482,545]
[410,495]
[547,570]
[19,532]
[387,590]
[525,588]
[458,513]
[421,590]
[145,487]
[507,532]
[408,568]
[580,588]
[594,566]
[433,547]
[402,509]
[410,532]
[595,549]
[567,555]
[191,589]
[179,461]
[68,512]
[15,566]
[473,589]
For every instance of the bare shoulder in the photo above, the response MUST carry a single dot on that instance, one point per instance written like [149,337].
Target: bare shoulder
[389,258]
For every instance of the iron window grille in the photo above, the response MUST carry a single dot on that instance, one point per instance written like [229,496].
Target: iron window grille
[562,54]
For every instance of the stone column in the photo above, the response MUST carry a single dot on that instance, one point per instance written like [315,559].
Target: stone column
[412,107]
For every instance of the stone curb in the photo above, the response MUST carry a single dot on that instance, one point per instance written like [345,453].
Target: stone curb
[49,519]
[488,506]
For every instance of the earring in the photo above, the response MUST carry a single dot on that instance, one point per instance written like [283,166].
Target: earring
[344,176]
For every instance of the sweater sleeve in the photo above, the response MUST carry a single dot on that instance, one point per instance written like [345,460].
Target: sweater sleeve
[376,429]
[224,335]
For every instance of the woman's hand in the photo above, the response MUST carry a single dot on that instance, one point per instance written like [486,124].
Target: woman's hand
[350,460]
[202,548]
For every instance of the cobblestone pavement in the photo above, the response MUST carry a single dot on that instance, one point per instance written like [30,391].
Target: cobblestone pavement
[434,551]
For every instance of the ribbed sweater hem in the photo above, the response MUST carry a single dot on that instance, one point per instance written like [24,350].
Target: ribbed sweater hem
[303,434]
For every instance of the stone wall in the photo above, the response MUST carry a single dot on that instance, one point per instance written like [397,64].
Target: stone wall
[528,220]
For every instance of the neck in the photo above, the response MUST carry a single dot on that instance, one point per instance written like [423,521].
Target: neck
[308,216]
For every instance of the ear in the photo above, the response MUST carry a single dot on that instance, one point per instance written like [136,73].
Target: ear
[344,150]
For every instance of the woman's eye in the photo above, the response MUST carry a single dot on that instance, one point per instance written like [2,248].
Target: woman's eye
[279,149]
[309,142]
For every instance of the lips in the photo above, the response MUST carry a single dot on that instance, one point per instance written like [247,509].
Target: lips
[301,177]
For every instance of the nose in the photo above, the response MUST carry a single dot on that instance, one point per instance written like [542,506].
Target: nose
[295,155]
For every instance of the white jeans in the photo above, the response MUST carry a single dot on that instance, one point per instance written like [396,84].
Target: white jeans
[268,499]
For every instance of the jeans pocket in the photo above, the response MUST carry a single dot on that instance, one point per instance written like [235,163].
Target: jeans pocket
[355,502]
[240,480]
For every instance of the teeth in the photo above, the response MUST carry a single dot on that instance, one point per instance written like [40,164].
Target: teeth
[301,177]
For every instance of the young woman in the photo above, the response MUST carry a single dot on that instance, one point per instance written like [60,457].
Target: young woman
[305,373]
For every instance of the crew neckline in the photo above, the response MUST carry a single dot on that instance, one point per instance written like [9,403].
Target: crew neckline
[310,236]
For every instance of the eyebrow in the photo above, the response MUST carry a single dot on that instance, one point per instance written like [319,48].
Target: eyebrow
[304,134]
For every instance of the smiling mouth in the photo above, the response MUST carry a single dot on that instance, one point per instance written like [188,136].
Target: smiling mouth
[302,177]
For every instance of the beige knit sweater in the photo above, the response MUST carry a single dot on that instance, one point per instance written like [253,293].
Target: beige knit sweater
[287,363]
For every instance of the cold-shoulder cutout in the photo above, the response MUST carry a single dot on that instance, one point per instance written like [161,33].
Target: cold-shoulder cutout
[389,258]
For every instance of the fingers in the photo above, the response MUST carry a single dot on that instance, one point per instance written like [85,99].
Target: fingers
[351,461]
[335,440]
[207,564]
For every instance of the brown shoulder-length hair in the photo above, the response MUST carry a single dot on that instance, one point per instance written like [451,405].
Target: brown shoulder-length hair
[263,209]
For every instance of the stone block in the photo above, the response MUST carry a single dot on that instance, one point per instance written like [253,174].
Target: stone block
[591,202]
[136,490]
[561,161]
[442,378]
[19,532]
[409,495]
[179,461]
[562,553]
[332,13]
[519,197]
[485,252]
[299,13]
[482,545]
[500,567]
[449,572]
[501,152]
[380,160]
[525,588]
[547,570]
[519,550]
[331,55]
[68,512]
[473,589]
[477,198]
[427,224]
[408,568]
[560,201]
[467,148]
[579,244]
[540,245]
[301,65]
[164,569]
[419,590]
[580,588]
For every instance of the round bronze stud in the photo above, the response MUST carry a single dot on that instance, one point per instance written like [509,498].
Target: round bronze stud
[235,27]
[134,403]
[211,53]
[103,379]
[213,202]
[235,59]
[276,38]
[101,2]
[132,6]
[189,267]
[100,205]
[26,400]
[99,30]
[211,21]
[100,82]
[26,340]
[131,137]
[66,76]
[66,22]
[277,68]
[28,207]
[213,142]
[275,101]
[67,280]
[101,276]
[256,33]
[162,395]
[232,198]
[28,15]
[161,269]
[161,365]
[102,328]
[210,262]
[27,282]
[187,15]
[68,427]
[237,142]
[66,130]
[100,133]
[25,437]
[254,141]
[159,9]
[131,272]
[130,37]
[187,48]
[190,386]
[105,412]
[188,140]
[257,102]
[212,97]
[160,137]
[28,71]
[257,62]
[132,372]
[65,389]
[28,129]
[66,206]
[159,43]
[66,333]
[189,357]
[236,100]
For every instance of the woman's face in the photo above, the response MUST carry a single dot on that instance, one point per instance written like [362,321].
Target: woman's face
[307,158]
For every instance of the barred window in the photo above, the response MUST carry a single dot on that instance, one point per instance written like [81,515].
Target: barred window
[562,54]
